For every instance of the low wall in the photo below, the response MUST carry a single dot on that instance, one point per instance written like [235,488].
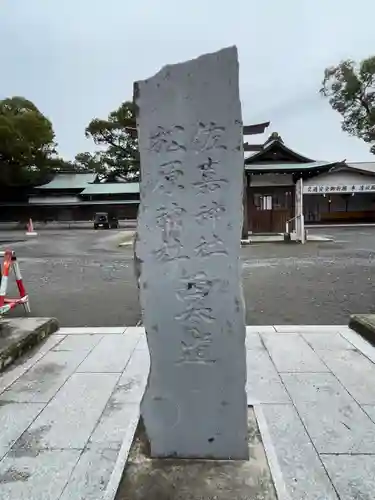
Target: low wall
[354,216]
[38,225]
[51,213]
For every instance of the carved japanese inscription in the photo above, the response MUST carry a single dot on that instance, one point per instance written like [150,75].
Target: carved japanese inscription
[189,229]
[209,136]
[170,177]
[196,346]
[209,181]
[166,139]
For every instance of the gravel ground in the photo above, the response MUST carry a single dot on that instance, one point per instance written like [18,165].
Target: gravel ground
[84,279]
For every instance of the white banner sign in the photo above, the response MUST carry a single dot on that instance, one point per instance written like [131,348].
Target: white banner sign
[349,188]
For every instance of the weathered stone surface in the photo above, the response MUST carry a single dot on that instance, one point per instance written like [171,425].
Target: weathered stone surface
[333,420]
[111,354]
[263,382]
[71,416]
[78,343]
[352,475]
[324,342]
[18,335]
[291,353]
[302,471]
[364,324]
[158,479]
[189,230]
[14,418]
[41,477]
[91,474]
[44,379]
[253,341]
[354,371]
[24,364]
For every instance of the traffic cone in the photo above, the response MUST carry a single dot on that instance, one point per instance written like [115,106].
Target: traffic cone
[30,228]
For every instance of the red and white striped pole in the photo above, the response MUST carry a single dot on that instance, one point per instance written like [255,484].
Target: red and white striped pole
[5,276]
[6,303]
[21,286]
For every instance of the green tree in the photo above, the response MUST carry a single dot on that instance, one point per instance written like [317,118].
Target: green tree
[117,135]
[60,165]
[350,88]
[26,143]
[89,162]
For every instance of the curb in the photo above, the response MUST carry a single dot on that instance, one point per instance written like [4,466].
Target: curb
[27,340]
[364,325]
[127,239]
[122,457]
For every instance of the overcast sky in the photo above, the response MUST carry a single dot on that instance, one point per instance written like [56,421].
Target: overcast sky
[77,59]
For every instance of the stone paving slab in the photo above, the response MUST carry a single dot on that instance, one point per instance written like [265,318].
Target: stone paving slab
[91,474]
[291,353]
[300,465]
[70,418]
[26,477]
[360,344]
[17,369]
[14,419]
[132,383]
[260,329]
[319,439]
[334,421]
[142,343]
[370,410]
[110,431]
[111,354]
[111,330]
[44,379]
[85,416]
[309,328]
[264,384]
[324,342]
[254,341]
[78,342]
[352,475]
[354,371]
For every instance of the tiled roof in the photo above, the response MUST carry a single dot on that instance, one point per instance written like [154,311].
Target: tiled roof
[367,166]
[69,181]
[111,188]
[287,167]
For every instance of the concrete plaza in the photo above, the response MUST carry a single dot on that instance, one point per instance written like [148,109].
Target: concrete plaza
[83,278]
[70,411]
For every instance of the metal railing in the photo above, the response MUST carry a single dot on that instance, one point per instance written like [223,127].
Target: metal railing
[302,232]
[288,223]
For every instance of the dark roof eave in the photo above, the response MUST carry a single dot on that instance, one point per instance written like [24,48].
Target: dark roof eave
[268,146]
[302,168]
[320,169]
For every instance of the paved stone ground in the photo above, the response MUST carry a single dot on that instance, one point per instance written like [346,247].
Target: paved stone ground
[83,278]
[68,413]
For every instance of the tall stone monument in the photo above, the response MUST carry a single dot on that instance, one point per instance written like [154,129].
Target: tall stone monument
[189,230]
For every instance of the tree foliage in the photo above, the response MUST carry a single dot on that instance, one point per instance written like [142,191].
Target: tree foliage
[89,162]
[26,143]
[117,136]
[60,165]
[350,88]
